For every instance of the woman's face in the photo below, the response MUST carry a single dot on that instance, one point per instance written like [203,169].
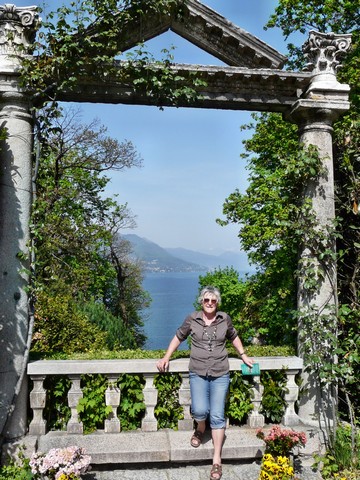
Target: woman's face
[209,303]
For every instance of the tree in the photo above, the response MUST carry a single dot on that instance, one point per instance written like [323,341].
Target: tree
[340,17]
[73,226]
[129,298]
[272,217]
[227,280]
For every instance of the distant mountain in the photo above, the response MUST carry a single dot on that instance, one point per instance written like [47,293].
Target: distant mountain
[238,260]
[158,259]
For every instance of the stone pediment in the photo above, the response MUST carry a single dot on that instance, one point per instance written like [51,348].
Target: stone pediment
[208,30]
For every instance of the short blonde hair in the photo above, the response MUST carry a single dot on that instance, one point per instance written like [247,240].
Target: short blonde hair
[215,292]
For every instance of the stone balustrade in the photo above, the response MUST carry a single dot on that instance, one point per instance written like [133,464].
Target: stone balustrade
[39,370]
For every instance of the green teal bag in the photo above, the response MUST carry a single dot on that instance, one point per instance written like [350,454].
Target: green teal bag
[255,370]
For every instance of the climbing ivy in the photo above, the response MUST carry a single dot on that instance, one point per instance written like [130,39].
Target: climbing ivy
[84,40]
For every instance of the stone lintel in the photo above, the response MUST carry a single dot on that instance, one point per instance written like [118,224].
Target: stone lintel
[230,88]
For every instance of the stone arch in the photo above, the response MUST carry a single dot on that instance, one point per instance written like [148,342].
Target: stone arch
[252,79]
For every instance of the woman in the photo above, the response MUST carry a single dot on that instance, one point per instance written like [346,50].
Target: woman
[208,368]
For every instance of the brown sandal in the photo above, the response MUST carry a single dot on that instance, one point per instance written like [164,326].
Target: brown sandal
[216,472]
[196,439]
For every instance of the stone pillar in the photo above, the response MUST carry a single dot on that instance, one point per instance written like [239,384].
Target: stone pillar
[17,29]
[322,103]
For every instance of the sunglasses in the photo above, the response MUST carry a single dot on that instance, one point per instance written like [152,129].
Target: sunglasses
[213,301]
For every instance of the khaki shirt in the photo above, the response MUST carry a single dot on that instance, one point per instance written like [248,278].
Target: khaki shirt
[208,355]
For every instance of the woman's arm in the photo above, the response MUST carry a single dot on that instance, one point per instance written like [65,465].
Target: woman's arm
[163,364]
[241,351]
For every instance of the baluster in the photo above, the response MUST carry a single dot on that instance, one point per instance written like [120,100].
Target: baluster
[187,422]
[290,417]
[37,404]
[255,419]
[74,395]
[149,422]
[112,399]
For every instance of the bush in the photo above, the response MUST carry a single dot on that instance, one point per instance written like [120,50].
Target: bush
[17,470]
[132,405]
[273,404]
[342,460]
[60,327]
[168,409]
[118,336]
[238,404]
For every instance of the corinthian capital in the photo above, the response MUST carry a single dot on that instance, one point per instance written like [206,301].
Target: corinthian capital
[324,51]
[18,27]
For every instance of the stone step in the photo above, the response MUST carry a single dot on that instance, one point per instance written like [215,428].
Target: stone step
[149,447]
[168,455]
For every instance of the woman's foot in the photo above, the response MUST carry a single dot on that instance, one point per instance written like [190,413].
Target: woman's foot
[196,439]
[216,472]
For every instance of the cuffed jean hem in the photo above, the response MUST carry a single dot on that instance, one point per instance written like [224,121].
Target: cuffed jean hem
[208,396]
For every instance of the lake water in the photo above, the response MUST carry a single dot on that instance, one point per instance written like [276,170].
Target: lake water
[173,295]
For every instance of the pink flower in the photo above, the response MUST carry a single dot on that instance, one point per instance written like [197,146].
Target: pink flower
[280,441]
[62,463]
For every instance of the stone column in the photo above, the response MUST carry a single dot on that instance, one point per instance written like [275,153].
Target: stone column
[17,29]
[322,103]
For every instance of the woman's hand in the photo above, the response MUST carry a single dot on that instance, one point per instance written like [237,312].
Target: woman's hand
[163,365]
[247,360]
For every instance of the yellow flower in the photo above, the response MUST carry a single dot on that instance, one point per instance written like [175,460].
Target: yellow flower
[268,457]
[264,476]
[278,468]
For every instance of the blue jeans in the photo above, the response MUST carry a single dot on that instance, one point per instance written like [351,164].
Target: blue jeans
[208,396]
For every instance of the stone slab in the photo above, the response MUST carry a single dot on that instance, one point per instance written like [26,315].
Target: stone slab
[126,447]
[238,444]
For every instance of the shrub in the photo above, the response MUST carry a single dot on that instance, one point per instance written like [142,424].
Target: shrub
[118,336]
[60,327]
[238,404]
[168,409]
[60,463]
[273,404]
[342,459]
[17,469]
[281,441]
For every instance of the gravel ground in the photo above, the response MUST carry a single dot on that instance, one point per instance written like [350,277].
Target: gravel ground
[231,471]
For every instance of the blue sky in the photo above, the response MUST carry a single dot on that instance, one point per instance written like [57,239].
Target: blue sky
[191,156]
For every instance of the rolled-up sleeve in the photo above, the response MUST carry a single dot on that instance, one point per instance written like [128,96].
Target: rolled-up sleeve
[184,330]
[231,332]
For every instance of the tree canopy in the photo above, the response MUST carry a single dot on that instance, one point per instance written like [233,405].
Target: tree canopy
[273,219]
[80,258]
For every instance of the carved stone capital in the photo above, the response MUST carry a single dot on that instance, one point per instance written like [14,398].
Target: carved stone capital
[325,51]
[18,27]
